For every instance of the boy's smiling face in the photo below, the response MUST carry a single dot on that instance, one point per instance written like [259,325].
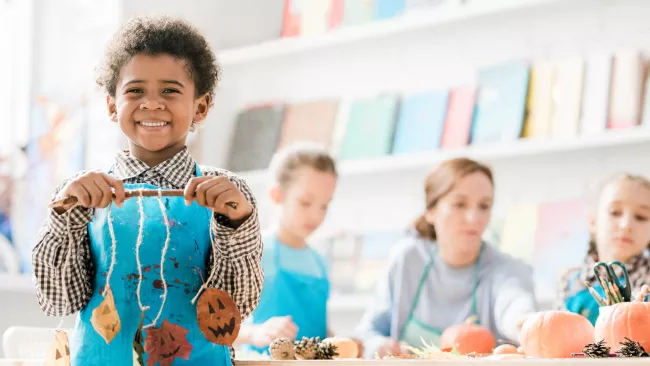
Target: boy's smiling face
[155,104]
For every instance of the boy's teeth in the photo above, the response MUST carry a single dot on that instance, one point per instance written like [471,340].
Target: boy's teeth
[153,124]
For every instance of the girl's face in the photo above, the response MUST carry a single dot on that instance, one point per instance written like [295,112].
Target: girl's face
[305,200]
[155,103]
[621,225]
[460,218]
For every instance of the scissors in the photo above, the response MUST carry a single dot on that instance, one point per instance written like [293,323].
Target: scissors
[625,290]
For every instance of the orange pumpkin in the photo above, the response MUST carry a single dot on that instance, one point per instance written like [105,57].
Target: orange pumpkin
[555,334]
[505,349]
[345,347]
[218,317]
[626,319]
[467,338]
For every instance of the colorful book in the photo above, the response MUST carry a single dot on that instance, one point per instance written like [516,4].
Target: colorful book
[458,122]
[256,134]
[309,121]
[595,100]
[315,17]
[567,95]
[420,122]
[370,127]
[540,101]
[627,90]
[385,9]
[501,104]
[291,18]
[357,12]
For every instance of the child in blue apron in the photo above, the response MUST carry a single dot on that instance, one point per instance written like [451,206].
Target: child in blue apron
[620,231]
[293,303]
[156,254]
[444,273]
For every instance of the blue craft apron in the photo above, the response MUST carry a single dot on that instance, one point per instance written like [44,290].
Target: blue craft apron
[302,297]
[189,251]
[414,331]
[582,302]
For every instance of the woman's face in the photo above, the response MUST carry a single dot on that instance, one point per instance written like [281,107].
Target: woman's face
[460,218]
[621,225]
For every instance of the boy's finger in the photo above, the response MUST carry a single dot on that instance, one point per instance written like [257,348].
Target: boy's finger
[190,188]
[118,188]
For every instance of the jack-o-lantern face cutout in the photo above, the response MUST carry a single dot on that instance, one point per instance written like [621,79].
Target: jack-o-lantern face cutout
[218,317]
[166,343]
[59,354]
[105,318]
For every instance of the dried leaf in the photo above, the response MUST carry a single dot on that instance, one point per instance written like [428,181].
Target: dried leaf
[166,343]
[59,353]
[105,318]
[218,317]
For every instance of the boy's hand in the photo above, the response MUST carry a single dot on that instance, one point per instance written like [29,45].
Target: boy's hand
[94,189]
[216,193]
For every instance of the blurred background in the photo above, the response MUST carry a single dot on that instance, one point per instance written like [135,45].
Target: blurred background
[550,93]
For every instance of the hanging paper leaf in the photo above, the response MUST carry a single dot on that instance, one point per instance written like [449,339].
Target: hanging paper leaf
[218,317]
[105,318]
[59,353]
[166,343]
[138,347]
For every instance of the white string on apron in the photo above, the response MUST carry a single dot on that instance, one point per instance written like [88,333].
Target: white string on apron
[162,256]
[213,271]
[111,231]
[138,244]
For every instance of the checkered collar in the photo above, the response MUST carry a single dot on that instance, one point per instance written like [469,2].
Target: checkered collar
[177,170]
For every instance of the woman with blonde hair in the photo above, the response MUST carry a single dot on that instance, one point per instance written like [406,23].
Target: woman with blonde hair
[445,273]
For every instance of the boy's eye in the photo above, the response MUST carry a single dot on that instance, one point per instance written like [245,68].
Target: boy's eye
[134,90]
[641,218]
[168,90]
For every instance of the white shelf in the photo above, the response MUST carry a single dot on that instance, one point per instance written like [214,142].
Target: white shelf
[485,153]
[427,17]
[16,283]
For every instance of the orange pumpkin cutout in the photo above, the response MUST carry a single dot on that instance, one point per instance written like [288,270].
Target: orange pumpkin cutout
[166,343]
[218,317]
[626,319]
[468,337]
[105,318]
[59,354]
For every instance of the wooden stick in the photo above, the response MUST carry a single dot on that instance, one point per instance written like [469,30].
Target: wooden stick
[129,193]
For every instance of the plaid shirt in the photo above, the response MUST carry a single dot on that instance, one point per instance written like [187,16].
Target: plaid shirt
[238,250]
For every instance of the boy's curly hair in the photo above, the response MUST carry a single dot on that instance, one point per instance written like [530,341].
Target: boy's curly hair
[160,35]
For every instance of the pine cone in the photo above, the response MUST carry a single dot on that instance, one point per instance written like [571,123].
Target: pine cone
[326,351]
[306,348]
[282,349]
[596,350]
[631,349]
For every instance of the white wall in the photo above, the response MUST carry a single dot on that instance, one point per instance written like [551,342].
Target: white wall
[444,56]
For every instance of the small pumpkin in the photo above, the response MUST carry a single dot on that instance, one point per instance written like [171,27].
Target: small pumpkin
[105,318]
[626,319]
[468,337]
[218,317]
[345,347]
[555,334]
[59,353]
[505,349]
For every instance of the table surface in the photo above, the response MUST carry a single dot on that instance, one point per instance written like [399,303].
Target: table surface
[397,362]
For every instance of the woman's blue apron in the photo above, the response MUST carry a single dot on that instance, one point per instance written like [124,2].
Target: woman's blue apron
[582,302]
[302,297]
[188,254]
[414,331]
